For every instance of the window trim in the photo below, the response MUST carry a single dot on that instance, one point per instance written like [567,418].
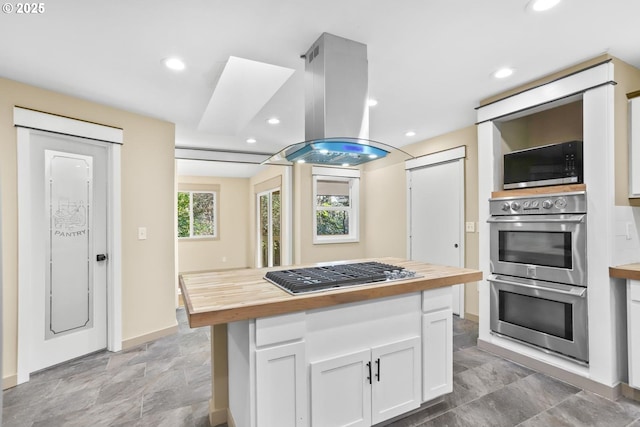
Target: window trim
[352,176]
[216,234]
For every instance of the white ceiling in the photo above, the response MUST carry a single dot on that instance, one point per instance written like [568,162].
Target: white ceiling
[430,62]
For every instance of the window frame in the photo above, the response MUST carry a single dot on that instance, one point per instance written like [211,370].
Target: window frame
[215,235]
[351,176]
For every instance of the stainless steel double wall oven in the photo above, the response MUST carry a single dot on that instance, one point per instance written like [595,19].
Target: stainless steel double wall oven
[539,282]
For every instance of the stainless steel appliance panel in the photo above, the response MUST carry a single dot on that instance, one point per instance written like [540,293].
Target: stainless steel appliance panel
[546,165]
[548,315]
[545,247]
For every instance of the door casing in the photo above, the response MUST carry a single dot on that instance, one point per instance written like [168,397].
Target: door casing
[29,121]
[451,155]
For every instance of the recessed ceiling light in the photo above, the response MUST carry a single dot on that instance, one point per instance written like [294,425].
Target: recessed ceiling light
[345,164]
[301,161]
[503,73]
[273,121]
[373,156]
[410,133]
[174,63]
[542,5]
[372,102]
[324,151]
[251,141]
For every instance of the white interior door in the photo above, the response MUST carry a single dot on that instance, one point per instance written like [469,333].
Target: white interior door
[68,241]
[437,218]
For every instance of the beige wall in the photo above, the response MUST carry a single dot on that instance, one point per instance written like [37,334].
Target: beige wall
[229,250]
[560,124]
[384,210]
[305,250]
[148,289]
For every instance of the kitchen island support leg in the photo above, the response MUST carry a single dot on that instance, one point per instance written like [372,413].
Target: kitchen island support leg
[219,403]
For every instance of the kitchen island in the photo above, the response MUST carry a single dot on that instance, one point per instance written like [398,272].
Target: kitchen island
[359,354]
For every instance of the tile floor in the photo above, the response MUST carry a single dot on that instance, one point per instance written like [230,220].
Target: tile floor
[167,383]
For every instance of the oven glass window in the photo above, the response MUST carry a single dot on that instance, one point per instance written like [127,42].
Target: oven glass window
[550,249]
[539,314]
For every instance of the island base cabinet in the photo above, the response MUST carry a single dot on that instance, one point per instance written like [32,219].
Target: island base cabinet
[437,354]
[396,379]
[366,387]
[281,386]
[340,391]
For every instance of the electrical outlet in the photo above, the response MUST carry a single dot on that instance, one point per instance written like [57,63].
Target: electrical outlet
[470,227]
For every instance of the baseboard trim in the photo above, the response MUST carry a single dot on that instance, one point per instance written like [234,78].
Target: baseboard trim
[472,317]
[611,393]
[230,421]
[10,381]
[219,416]
[141,339]
[630,392]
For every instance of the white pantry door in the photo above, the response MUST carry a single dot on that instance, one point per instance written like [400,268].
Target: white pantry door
[69,242]
[436,218]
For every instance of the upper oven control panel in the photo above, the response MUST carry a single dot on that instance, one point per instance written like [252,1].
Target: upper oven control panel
[539,205]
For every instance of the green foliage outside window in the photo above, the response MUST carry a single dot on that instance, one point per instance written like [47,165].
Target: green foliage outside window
[196,214]
[183,215]
[332,222]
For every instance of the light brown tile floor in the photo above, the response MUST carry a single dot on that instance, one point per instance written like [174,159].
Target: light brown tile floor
[167,383]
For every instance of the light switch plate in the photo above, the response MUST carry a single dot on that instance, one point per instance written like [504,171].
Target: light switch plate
[470,227]
[142,233]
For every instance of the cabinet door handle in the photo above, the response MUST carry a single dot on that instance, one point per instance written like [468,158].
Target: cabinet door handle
[378,366]
[369,377]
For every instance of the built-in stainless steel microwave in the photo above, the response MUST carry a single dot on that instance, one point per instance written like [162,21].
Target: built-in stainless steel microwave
[553,164]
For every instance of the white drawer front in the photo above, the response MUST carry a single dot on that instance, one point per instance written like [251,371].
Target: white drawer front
[281,328]
[437,299]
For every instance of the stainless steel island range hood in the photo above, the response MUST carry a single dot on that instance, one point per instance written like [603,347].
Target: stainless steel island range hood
[336,107]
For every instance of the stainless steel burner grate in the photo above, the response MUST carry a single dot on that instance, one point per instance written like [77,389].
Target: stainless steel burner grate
[313,279]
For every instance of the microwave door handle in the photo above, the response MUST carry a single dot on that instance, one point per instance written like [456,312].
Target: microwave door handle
[571,219]
[578,292]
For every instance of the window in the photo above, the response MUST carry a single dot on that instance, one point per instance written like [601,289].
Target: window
[197,214]
[336,208]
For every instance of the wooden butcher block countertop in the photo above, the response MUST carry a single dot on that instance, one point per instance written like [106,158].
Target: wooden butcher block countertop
[221,297]
[627,271]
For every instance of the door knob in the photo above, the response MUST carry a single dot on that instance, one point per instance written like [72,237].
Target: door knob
[101,257]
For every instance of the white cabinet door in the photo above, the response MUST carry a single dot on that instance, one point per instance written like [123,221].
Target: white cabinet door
[340,391]
[395,378]
[281,386]
[437,354]
[633,331]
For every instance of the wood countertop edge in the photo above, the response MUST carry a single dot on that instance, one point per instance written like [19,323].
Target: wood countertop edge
[267,308]
[188,306]
[627,271]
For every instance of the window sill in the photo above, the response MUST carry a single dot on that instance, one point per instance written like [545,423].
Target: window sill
[197,239]
[325,241]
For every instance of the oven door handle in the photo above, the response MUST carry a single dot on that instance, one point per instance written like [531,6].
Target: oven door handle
[567,218]
[574,291]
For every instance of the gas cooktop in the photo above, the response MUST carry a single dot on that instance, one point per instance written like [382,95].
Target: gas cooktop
[314,279]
